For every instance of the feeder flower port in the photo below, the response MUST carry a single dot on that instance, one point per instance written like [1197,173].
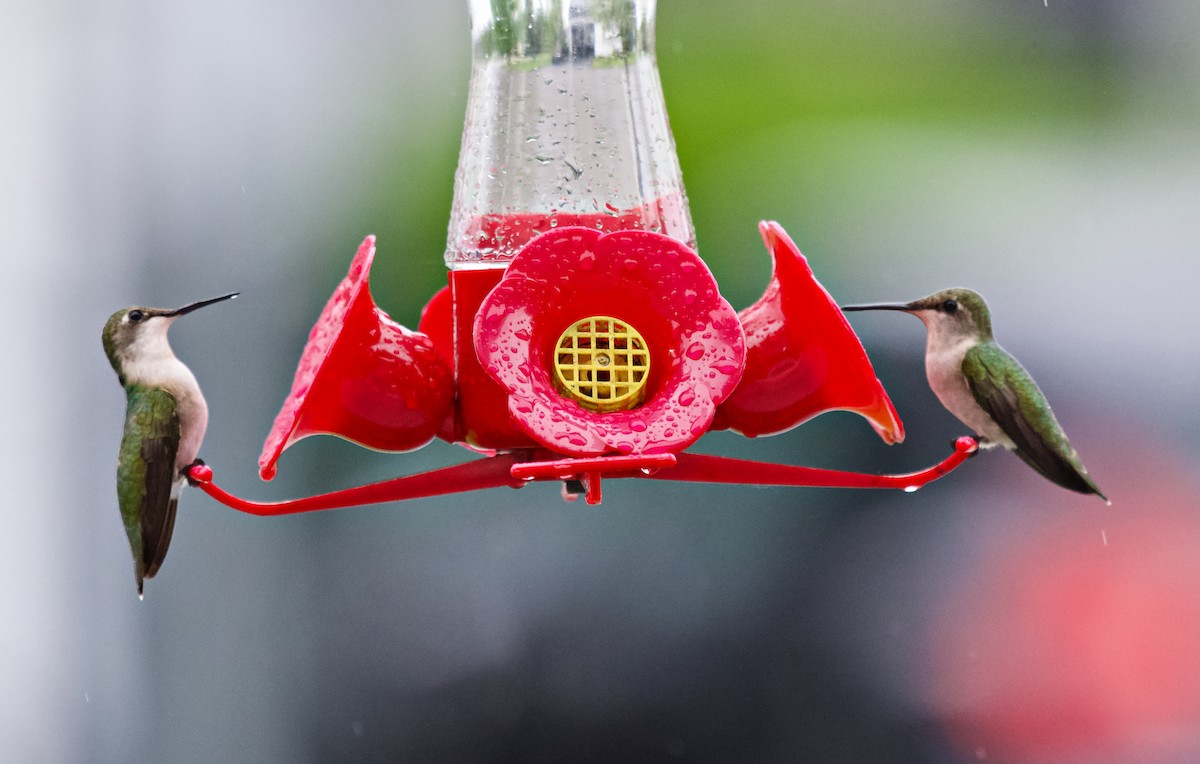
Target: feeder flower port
[610,343]
[580,335]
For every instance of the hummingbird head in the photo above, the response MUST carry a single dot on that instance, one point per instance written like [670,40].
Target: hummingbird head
[138,334]
[949,314]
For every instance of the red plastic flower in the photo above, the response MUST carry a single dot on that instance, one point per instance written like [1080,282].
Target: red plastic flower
[362,377]
[694,344]
[802,357]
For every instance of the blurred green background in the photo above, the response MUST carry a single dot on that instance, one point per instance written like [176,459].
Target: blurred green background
[1045,154]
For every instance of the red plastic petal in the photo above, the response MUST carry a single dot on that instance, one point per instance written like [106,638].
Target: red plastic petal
[362,377]
[802,357]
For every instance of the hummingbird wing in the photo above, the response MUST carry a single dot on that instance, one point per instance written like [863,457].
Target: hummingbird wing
[1007,392]
[146,477]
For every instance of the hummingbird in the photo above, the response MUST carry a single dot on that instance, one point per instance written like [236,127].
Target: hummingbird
[987,389]
[165,419]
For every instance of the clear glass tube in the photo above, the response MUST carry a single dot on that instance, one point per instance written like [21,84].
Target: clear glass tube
[565,125]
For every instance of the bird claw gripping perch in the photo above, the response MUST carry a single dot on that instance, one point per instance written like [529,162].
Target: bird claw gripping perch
[197,467]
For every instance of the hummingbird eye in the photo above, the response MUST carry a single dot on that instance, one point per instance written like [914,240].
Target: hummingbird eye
[950,306]
[136,315]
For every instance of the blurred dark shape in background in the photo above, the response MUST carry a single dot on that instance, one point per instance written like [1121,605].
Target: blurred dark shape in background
[1043,154]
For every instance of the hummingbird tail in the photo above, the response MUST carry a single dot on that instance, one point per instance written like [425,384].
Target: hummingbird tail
[156,541]
[1062,472]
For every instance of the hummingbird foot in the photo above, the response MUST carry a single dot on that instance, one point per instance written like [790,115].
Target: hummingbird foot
[968,444]
[187,472]
[987,443]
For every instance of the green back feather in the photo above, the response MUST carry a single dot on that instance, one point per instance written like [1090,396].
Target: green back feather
[146,473]
[1010,396]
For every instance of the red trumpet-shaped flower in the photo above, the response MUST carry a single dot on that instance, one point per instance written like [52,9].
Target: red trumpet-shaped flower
[610,343]
[362,377]
[802,357]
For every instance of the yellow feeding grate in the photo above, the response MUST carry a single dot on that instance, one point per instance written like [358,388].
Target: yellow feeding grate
[603,363]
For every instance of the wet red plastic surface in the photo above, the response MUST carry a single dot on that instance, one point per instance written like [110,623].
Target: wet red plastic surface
[652,282]
[482,420]
[802,357]
[362,377]
[490,336]
[437,323]
[482,415]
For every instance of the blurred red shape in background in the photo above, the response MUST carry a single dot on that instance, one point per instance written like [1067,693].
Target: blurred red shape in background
[1081,643]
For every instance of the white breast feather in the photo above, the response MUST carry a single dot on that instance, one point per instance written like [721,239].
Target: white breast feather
[150,361]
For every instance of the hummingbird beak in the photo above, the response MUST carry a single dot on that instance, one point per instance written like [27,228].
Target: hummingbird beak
[196,305]
[902,307]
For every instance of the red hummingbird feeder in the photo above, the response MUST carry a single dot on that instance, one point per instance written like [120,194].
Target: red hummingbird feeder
[580,336]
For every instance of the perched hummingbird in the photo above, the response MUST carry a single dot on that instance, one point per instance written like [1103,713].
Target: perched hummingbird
[165,419]
[986,388]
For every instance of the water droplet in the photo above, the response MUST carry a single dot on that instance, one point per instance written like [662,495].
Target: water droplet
[637,425]
[574,438]
[726,367]
[689,296]
[695,351]
[687,397]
